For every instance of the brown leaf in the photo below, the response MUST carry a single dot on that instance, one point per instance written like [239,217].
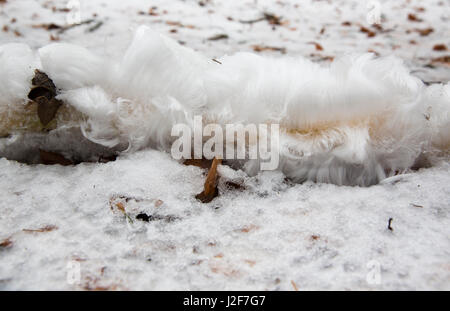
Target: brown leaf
[43,93]
[315,237]
[51,158]
[346,24]
[6,243]
[369,32]
[210,190]
[317,45]
[440,47]
[424,32]
[414,18]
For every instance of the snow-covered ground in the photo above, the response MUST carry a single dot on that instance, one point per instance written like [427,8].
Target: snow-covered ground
[272,234]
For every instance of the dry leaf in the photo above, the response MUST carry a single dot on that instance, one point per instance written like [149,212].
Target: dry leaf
[210,188]
[369,32]
[414,18]
[424,32]
[6,243]
[440,47]
[317,45]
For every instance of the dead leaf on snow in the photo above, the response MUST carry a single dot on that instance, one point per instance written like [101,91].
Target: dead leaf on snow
[6,243]
[424,32]
[210,190]
[317,46]
[440,47]
[414,18]
[366,30]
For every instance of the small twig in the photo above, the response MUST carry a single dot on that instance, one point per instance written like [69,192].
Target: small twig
[253,21]
[95,27]
[390,224]
[215,60]
[63,29]
[218,37]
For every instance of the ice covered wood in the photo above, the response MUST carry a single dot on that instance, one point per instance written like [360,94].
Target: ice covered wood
[355,121]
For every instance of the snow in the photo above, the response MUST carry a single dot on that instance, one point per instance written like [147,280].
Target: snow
[265,237]
[320,236]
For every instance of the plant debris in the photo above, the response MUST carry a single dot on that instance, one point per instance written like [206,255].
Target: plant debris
[424,32]
[272,19]
[414,18]
[390,224]
[261,48]
[218,37]
[369,32]
[6,243]
[210,188]
[440,47]
[155,217]
[317,46]
[120,206]
[95,27]
[43,93]
[47,228]
[65,28]
[50,26]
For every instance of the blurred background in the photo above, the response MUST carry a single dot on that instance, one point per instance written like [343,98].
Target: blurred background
[417,31]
